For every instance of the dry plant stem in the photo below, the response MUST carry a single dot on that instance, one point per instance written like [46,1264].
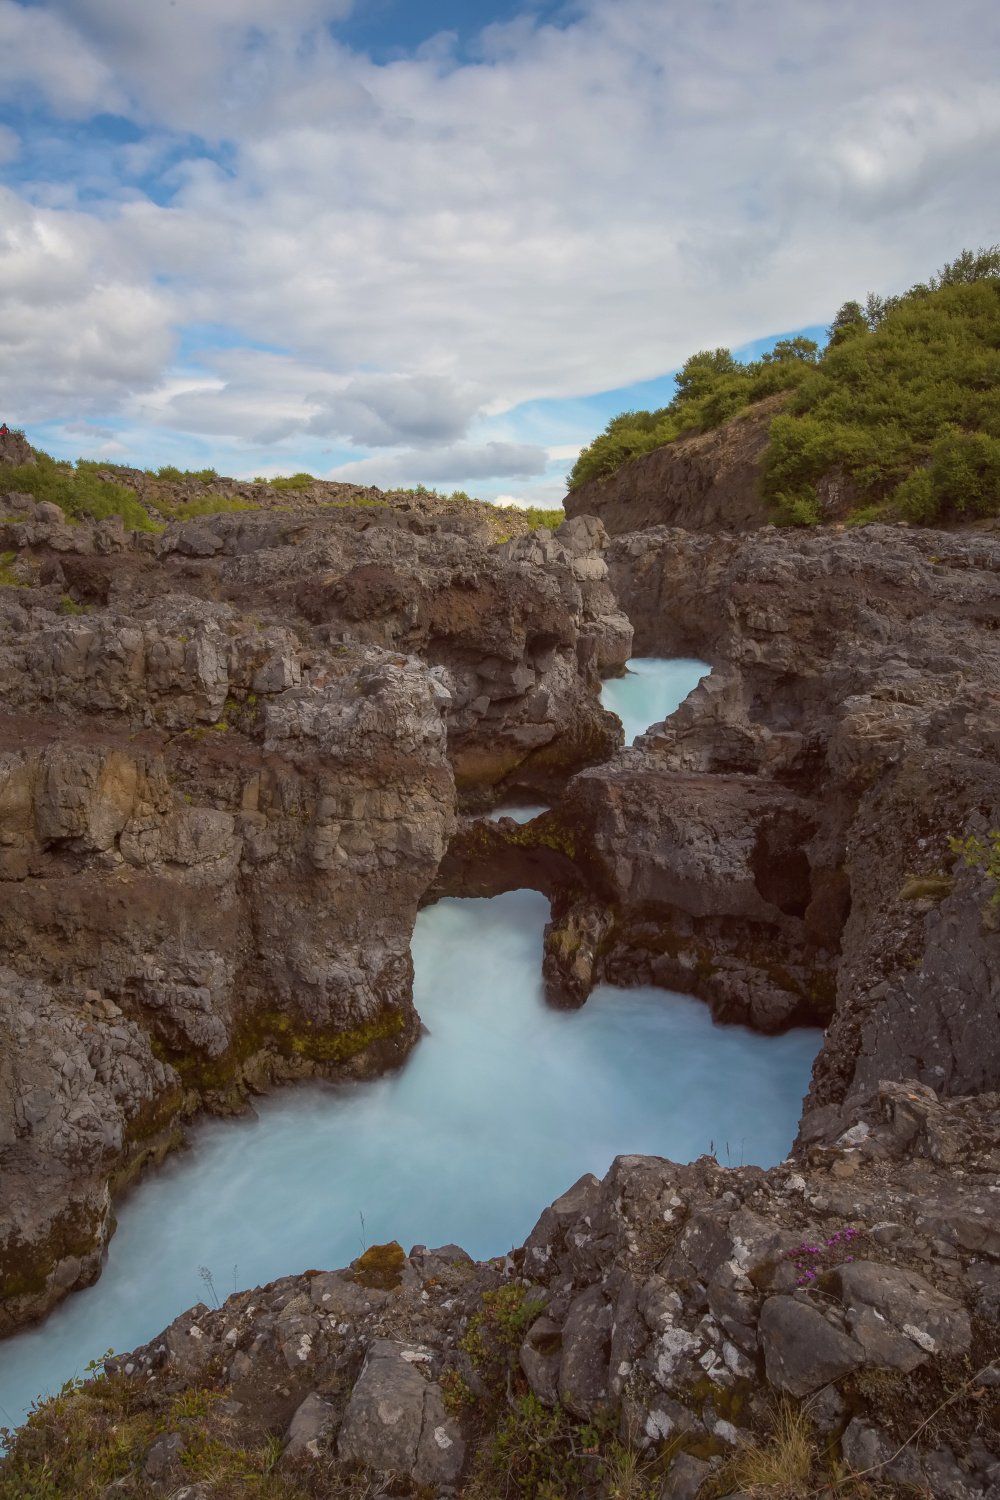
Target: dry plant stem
[912,1438]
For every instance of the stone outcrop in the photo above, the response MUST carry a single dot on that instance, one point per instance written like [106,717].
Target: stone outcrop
[673,1306]
[228,766]
[15,450]
[780,845]
[704,482]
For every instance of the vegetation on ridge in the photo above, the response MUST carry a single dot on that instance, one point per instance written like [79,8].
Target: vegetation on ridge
[902,406]
[711,388]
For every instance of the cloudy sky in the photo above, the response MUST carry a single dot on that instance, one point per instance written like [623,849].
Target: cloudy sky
[442,241]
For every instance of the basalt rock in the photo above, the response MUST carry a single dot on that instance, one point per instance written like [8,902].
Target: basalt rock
[228,766]
[705,482]
[673,1307]
[780,845]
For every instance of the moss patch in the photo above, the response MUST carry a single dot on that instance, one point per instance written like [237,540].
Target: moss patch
[381,1267]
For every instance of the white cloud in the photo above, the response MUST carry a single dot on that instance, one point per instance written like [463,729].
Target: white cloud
[452,465]
[432,241]
[41,54]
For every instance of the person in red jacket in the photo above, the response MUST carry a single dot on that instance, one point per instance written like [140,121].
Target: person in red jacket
[4,430]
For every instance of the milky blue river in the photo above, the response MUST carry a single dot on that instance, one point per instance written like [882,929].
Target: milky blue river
[497,1111]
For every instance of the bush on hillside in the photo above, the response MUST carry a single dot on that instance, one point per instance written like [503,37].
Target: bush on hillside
[75,490]
[711,388]
[904,403]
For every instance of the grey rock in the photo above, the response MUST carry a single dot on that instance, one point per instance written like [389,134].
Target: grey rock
[164,1455]
[827,1409]
[685,1478]
[946,1480]
[802,1351]
[385,1414]
[396,1419]
[49,514]
[931,1320]
[629,1334]
[308,1427]
[441,1448]
[867,1450]
[584,1377]
[540,1358]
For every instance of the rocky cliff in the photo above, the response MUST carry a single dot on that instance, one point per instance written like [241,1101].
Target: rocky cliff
[231,759]
[706,482]
[306,715]
[780,846]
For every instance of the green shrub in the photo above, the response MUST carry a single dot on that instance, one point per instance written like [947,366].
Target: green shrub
[905,402]
[294,482]
[204,505]
[983,856]
[75,491]
[177,476]
[553,519]
[711,388]
[539,1454]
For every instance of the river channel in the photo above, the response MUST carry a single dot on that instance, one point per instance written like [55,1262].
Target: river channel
[499,1109]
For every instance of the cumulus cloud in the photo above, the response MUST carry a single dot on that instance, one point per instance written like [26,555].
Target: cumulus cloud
[431,241]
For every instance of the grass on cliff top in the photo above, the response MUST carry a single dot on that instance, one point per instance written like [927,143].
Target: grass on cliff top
[77,491]
[903,405]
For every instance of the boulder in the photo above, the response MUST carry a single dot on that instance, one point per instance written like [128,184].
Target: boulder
[867,1450]
[685,1477]
[164,1455]
[893,1308]
[584,1376]
[540,1357]
[396,1418]
[310,1424]
[802,1351]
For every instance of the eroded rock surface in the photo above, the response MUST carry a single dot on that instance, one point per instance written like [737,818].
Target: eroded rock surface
[780,845]
[705,482]
[228,766]
[674,1306]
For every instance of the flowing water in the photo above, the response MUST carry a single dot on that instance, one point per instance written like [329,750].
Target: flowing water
[650,690]
[498,1110]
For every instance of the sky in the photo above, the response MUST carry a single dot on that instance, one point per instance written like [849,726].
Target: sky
[444,241]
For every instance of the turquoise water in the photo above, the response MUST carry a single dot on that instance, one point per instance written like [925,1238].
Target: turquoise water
[650,690]
[519,814]
[498,1110]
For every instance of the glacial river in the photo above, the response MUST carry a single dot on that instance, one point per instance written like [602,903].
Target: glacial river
[498,1110]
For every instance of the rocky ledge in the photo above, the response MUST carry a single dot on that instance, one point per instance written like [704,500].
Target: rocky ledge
[671,1331]
[781,846]
[231,757]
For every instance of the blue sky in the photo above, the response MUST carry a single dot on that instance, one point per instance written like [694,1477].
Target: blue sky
[408,241]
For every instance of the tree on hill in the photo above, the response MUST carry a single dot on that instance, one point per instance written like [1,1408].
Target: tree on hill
[904,401]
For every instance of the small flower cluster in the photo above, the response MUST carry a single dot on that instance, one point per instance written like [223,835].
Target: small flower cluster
[805,1252]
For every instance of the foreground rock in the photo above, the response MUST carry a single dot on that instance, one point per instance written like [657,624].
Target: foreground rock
[667,1311]
[228,766]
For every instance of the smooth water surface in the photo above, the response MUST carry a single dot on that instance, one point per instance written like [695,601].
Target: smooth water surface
[499,1110]
[651,689]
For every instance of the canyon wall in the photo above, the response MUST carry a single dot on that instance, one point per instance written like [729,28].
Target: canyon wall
[231,759]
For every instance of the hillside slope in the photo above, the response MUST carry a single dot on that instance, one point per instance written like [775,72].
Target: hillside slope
[705,482]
